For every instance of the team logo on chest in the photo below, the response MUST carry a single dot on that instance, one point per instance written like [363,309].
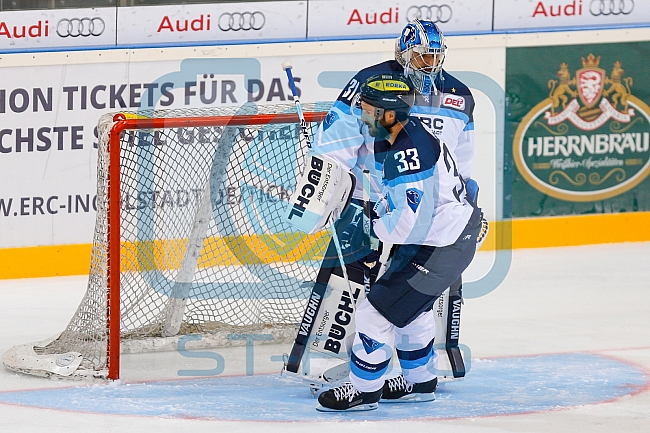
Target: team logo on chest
[413,198]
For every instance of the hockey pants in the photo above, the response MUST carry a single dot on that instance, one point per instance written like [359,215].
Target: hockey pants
[398,310]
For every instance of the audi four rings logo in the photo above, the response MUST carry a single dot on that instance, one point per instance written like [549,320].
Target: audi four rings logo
[241,21]
[611,7]
[435,13]
[75,27]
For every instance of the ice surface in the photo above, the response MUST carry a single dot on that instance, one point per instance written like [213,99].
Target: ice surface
[563,344]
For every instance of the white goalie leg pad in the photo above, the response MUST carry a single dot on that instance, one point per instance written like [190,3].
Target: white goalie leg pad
[330,334]
[447,309]
[440,310]
[325,189]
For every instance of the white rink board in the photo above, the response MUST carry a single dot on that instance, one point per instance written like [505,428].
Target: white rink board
[55,28]
[48,119]
[339,18]
[535,14]
[219,22]
[48,187]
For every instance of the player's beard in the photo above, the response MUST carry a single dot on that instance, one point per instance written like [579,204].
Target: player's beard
[377,130]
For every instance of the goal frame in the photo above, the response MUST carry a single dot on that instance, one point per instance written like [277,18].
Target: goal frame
[121,124]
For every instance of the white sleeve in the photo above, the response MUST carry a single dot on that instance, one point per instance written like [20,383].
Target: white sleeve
[464,149]
[340,136]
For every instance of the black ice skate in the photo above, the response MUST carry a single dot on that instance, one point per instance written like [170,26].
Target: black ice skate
[346,397]
[400,390]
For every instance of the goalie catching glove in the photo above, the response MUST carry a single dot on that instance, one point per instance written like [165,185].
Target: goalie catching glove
[322,193]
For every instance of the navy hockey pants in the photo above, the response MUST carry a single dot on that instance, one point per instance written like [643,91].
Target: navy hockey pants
[419,274]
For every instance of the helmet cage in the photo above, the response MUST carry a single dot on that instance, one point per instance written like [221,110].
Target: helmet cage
[418,39]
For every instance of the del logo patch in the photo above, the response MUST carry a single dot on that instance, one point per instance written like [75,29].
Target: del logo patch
[457,102]
[413,198]
[369,344]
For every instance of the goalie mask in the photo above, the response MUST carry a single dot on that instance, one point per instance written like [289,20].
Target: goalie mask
[421,50]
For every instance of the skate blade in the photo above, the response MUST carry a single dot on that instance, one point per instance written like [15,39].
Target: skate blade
[359,408]
[412,398]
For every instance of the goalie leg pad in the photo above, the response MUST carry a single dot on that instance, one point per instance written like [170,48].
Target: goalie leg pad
[447,315]
[326,331]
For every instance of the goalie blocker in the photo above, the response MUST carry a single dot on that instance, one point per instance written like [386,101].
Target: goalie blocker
[322,193]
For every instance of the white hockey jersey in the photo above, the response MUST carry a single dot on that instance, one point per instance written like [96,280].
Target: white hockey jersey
[344,138]
[424,199]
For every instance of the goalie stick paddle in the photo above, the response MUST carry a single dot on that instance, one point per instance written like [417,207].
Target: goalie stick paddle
[175,308]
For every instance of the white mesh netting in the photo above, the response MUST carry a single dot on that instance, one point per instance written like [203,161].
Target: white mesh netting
[204,248]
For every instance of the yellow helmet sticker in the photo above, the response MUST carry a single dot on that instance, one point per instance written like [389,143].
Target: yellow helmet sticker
[387,85]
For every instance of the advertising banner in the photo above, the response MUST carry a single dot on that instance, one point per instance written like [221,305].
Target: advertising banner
[339,18]
[217,22]
[54,28]
[581,125]
[543,14]
[49,113]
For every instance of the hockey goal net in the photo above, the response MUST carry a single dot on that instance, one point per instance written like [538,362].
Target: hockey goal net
[189,237]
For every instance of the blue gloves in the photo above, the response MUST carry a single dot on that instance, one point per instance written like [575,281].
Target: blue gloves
[472,190]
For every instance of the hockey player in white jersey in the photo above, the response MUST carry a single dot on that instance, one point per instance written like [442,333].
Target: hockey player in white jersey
[445,107]
[425,214]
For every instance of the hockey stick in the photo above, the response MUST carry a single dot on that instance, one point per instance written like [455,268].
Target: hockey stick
[294,92]
[372,242]
[175,308]
[320,287]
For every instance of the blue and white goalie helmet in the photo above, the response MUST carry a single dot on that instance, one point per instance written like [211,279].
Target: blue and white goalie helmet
[421,50]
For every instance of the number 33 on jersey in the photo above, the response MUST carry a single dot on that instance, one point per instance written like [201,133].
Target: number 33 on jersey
[425,194]
[408,160]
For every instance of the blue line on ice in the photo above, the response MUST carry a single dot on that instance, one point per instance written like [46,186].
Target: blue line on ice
[499,386]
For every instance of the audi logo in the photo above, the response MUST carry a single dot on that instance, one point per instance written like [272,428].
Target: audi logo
[241,21]
[435,13]
[611,7]
[75,27]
